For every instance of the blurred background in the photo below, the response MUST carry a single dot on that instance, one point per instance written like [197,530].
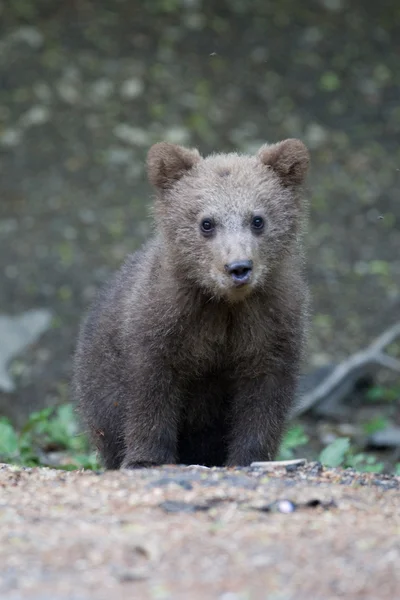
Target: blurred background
[87,86]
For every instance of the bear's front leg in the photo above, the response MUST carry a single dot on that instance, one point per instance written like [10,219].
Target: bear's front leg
[259,412]
[151,425]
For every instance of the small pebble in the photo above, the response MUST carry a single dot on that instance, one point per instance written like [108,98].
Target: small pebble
[172,506]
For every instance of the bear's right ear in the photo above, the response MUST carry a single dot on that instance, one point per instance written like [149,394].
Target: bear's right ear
[167,163]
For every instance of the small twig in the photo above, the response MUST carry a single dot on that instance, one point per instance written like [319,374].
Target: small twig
[352,368]
[270,465]
[386,338]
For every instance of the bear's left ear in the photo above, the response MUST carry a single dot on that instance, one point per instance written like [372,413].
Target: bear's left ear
[289,159]
[167,163]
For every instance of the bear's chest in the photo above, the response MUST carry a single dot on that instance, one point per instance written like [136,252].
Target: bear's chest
[199,343]
[216,340]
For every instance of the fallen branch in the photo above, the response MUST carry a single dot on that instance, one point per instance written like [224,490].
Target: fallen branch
[271,465]
[345,375]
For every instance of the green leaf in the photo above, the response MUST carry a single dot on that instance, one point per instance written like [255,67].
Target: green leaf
[334,454]
[329,81]
[355,460]
[382,394]
[374,425]
[364,462]
[293,438]
[377,467]
[375,393]
[87,461]
[63,427]
[379,267]
[8,440]
[39,417]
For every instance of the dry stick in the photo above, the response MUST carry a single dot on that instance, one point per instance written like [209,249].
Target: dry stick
[370,357]
[276,464]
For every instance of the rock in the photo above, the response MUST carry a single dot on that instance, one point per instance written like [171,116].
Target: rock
[131,135]
[177,135]
[316,135]
[118,156]
[101,90]
[385,438]
[28,35]
[16,333]
[173,506]
[68,87]
[36,115]
[42,91]
[132,88]
[10,138]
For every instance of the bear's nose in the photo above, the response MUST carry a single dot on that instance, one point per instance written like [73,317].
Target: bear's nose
[240,271]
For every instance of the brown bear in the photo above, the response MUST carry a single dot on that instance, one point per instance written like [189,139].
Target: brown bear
[191,352]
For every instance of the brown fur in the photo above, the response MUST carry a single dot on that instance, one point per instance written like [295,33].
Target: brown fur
[175,363]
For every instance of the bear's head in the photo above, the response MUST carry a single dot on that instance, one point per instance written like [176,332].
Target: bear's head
[228,220]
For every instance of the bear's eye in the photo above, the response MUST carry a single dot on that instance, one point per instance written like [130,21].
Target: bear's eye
[257,223]
[207,226]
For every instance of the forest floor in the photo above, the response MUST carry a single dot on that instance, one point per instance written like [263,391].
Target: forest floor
[191,532]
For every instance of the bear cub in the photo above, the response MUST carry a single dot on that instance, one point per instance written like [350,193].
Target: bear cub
[191,353]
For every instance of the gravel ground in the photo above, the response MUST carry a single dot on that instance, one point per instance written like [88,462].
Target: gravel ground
[190,532]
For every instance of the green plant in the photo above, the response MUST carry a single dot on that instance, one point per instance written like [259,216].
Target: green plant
[334,454]
[339,453]
[378,393]
[374,425]
[293,439]
[364,462]
[8,439]
[51,430]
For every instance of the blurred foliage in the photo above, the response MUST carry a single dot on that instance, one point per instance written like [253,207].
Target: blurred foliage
[335,453]
[294,438]
[340,454]
[49,438]
[383,394]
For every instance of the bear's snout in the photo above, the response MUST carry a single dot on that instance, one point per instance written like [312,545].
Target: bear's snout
[240,271]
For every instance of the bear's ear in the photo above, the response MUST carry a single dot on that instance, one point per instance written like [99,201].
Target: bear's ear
[167,163]
[289,159]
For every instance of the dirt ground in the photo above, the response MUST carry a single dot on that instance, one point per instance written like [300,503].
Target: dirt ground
[190,532]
